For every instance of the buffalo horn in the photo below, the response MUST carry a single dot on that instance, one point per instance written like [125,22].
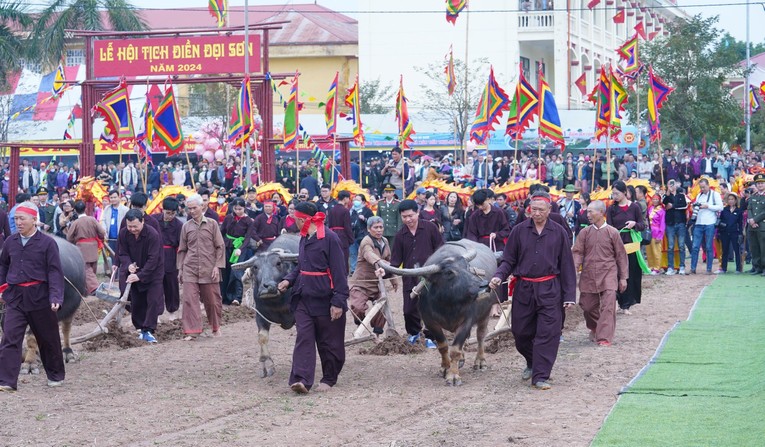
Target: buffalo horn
[498,255]
[244,265]
[419,271]
[470,255]
[289,257]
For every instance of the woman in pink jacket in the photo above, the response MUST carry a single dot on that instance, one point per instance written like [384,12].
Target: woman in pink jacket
[656,214]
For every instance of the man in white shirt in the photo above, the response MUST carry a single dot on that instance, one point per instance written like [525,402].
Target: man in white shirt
[709,204]
[645,168]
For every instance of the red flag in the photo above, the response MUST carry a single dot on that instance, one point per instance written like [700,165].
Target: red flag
[652,35]
[640,30]
[581,83]
[619,17]
[593,3]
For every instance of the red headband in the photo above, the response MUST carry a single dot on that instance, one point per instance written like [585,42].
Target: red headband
[317,219]
[542,198]
[26,210]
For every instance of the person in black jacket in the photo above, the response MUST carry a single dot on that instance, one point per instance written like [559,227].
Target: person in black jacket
[676,205]
[360,213]
[730,232]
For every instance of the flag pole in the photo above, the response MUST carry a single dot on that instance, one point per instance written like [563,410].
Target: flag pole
[467,100]
[332,172]
[297,171]
[661,165]
[144,172]
[188,161]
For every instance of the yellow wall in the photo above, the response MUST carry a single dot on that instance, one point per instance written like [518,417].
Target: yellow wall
[316,74]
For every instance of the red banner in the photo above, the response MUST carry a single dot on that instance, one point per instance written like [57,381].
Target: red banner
[174,56]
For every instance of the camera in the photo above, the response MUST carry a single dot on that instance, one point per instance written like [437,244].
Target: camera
[695,213]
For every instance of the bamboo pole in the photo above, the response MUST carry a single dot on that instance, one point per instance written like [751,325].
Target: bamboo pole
[188,161]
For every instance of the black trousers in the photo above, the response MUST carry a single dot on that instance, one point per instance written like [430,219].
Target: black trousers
[44,325]
[632,294]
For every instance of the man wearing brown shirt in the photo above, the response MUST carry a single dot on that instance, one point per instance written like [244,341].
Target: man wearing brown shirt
[200,258]
[599,252]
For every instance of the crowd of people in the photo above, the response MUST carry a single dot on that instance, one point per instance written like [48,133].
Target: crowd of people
[183,254]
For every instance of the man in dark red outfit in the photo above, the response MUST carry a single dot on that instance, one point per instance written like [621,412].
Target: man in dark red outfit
[538,253]
[33,290]
[339,221]
[266,226]
[170,233]
[319,302]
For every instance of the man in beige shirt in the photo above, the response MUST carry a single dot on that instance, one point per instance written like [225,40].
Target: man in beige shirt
[599,252]
[200,258]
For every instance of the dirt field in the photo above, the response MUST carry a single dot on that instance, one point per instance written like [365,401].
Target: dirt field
[208,393]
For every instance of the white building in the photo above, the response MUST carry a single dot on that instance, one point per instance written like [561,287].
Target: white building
[566,37]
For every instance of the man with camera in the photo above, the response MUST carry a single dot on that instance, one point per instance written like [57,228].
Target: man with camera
[705,210]
[675,203]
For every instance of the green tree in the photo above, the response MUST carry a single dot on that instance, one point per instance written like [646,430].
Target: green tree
[457,110]
[49,37]
[376,97]
[13,19]
[696,62]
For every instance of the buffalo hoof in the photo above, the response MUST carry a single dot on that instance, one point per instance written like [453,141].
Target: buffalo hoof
[268,369]
[69,356]
[453,381]
[35,370]
[480,365]
[462,363]
[26,368]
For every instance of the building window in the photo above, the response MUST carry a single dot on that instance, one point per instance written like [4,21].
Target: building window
[540,69]
[34,67]
[75,57]
[525,65]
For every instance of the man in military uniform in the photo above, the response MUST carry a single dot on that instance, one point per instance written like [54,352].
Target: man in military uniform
[388,210]
[756,222]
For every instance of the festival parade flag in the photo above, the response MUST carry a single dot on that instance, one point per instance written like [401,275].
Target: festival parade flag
[167,124]
[601,96]
[522,109]
[619,17]
[581,83]
[493,102]
[640,29]
[115,109]
[629,53]
[618,98]
[291,117]
[405,129]
[330,108]
[69,131]
[352,100]
[549,119]
[219,10]
[593,3]
[754,101]
[240,127]
[453,9]
[145,136]
[59,81]
[451,81]
[658,91]
[762,89]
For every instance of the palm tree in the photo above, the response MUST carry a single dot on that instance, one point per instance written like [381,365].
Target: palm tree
[93,15]
[13,21]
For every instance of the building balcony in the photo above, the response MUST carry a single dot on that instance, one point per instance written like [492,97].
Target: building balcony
[533,25]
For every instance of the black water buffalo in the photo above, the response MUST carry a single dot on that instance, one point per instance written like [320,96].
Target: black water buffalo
[264,271]
[449,299]
[73,267]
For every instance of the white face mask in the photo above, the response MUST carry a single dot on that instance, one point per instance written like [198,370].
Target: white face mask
[221,201]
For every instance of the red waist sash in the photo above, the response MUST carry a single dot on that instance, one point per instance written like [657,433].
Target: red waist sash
[336,228]
[324,273]
[4,287]
[93,239]
[540,279]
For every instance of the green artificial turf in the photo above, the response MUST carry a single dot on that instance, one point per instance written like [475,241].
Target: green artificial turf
[707,386]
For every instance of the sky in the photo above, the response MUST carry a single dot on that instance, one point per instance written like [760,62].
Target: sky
[731,12]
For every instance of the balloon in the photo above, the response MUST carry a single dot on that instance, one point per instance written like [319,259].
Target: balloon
[212,144]
[470,145]
[198,137]
[199,149]
[219,155]
[209,156]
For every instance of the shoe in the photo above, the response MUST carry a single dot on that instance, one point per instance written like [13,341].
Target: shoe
[670,272]
[542,385]
[55,383]
[626,312]
[693,271]
[653,272]
[430,344]
[526,374]
[235,303]
[299,388]
[682,271]
[148,337]
[604,343]
[592,336]
[7,389]
[754,272]
[413,339]
[719,272]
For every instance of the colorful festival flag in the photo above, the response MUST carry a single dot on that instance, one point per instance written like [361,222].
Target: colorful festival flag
[69,132]
[405,129]
[219,10]
[619,17]
[618,98]
[549,119]
[59,81]
[640,29]
[593,3]
[762,89]
[453,9]
[451,81]
[658,91]
[352,100]
[240,127]
[330,108]
[291,117]
[581,83]
[145,136]
[601,96]
[167,124]
[629,53]
[754,101]
[522,109]
[493,102]
[115,109]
